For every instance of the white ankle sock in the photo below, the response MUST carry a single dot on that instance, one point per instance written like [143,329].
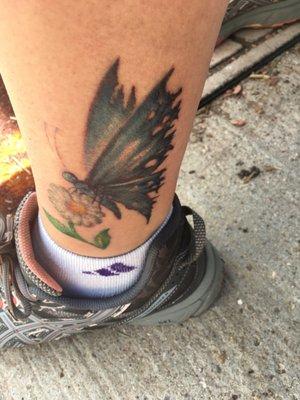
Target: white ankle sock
[82,276]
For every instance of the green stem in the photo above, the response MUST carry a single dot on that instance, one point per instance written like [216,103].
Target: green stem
[101,240]
[77,236]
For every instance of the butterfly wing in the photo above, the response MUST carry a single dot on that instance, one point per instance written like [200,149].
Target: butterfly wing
[108,113]
[127,170]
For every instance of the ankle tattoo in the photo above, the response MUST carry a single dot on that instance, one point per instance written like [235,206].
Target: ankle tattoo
[125,146]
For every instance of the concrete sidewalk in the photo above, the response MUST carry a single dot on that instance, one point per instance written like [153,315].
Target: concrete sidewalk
[245,347]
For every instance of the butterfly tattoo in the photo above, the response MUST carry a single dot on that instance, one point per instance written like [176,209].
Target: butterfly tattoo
[125,146]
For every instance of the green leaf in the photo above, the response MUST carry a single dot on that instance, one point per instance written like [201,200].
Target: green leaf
[102,239]
[67,230]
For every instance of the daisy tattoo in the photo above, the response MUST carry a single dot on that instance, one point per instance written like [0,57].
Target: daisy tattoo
[78,208]
[125,146]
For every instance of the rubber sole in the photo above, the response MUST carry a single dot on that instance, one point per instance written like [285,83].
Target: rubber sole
[262,17]
[198,301]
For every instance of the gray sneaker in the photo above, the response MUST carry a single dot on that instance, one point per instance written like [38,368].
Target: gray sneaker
[258,14]
[181,278]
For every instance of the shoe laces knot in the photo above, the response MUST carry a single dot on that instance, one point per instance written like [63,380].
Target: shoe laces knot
[8,282]
[6,235]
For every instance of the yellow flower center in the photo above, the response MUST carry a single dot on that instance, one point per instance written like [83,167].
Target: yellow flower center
[77,208]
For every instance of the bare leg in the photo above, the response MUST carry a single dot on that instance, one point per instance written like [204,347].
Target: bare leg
[54,56]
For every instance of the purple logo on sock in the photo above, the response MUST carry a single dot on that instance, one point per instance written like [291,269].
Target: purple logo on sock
[112,270]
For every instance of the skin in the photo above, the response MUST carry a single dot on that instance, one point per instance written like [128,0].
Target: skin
[53,55]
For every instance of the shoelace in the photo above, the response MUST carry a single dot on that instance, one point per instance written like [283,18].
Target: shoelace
[8,280]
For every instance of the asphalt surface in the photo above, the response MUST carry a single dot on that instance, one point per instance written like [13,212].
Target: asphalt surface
[245,347]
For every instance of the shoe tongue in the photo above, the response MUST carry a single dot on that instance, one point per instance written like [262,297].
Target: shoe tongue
[33,272]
